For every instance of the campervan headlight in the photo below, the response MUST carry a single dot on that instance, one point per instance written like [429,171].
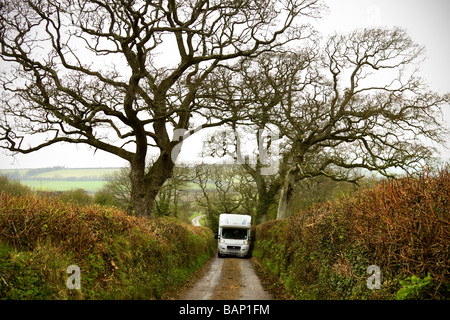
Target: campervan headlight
[222,241]
[245,241]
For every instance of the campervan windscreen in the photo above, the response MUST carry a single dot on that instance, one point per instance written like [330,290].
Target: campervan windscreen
[236,234]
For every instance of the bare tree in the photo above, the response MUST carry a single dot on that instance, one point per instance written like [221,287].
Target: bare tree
[354,103]
[168,201]
[257,87]
[118,188]
[94,72]
[367,110]
[224,189]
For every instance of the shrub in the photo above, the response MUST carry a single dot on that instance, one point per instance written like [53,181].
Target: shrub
[104,198]
[13,187]
[413,287]
[78,196]
[402,226]
[120,257]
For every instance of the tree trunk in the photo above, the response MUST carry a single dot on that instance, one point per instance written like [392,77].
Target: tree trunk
[263,206]
[286,194]
[266,197]
[141,203]
[145,186]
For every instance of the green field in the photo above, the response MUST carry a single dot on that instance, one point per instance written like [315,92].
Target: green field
[64,179]
[61,179]
[81,174]
[64,185]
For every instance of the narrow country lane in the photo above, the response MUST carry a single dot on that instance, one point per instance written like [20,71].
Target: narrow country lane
[226,279]
[196,221]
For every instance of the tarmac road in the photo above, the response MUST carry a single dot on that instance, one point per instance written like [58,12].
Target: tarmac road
[196,220]
[228,279]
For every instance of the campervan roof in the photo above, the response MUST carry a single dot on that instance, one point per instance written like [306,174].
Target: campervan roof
[235,221]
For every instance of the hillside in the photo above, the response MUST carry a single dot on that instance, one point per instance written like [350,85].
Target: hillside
[401,226]
[58,173]
[120,257]
[66,179]
[61,178]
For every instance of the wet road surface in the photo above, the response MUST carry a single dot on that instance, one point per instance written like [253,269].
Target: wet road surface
[228,279]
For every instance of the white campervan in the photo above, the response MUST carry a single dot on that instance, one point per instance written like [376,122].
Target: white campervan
[234,235]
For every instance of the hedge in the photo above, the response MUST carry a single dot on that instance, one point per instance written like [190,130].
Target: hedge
[119,256]
[402,226]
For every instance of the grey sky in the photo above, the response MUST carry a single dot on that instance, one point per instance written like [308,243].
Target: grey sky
[427,22]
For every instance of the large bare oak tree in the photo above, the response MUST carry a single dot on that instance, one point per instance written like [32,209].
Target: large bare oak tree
[366,109]
[121,75]
[348,103]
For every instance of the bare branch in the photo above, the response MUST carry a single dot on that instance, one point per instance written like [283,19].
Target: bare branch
[88,71]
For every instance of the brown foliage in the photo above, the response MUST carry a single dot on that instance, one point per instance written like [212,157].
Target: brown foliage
[403,226]
[406,222]
[121,257]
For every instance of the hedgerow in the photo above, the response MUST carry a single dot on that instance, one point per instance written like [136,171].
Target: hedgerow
[119,256]
[402,226]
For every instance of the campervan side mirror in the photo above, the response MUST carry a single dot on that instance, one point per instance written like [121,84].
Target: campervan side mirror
[216,236]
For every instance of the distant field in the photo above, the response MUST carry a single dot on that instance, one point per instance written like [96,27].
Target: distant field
[61,179]
[64,179]
[64,185]
[76,173]
[52,173]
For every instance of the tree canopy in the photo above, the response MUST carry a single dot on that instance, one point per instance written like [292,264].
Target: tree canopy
[98,72]
[127,77]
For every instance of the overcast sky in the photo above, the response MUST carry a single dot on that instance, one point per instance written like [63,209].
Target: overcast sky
[427,22]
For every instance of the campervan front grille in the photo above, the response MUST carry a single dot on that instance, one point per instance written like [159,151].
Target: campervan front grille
[233,248]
